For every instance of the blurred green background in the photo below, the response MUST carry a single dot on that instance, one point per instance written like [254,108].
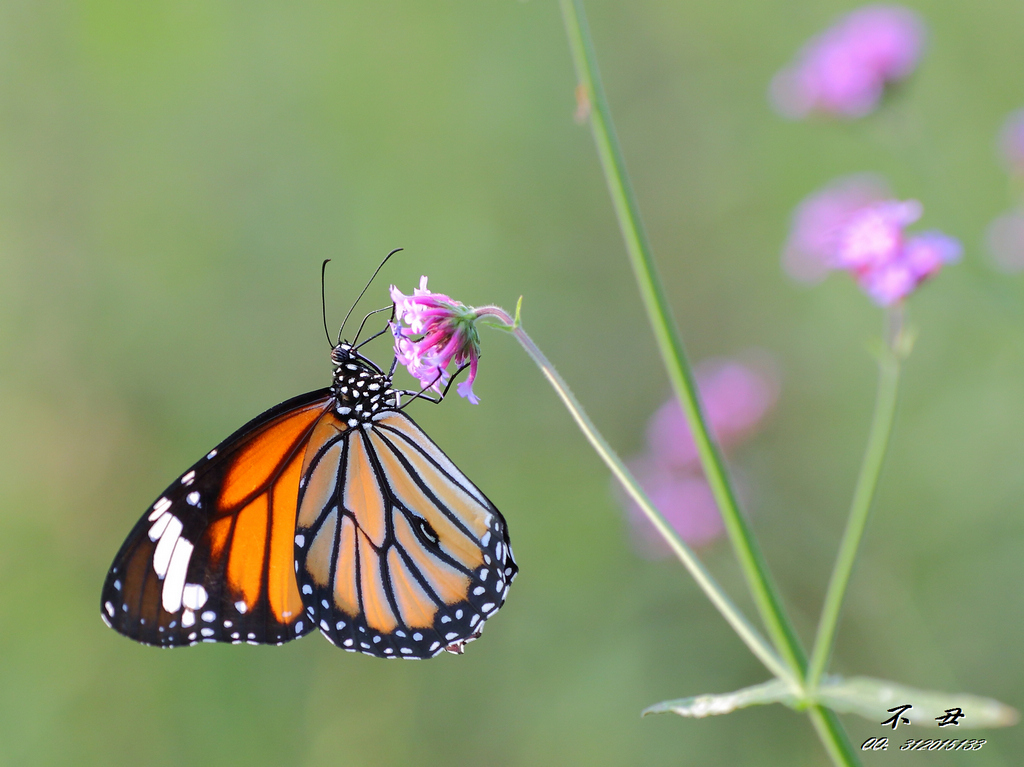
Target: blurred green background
[173,172]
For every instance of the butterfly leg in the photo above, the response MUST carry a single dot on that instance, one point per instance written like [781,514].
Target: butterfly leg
[421,394]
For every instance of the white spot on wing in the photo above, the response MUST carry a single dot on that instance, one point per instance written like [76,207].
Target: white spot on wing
[193,498]
[188,618]
[171,596]
[159,508]
[109,608]
[159,526]
[194,596]
[162,555]
[300,540]
[187,479]
[211,454]
[241,606]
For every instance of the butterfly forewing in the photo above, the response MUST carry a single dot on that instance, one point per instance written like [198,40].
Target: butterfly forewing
[213,557]
[397,553]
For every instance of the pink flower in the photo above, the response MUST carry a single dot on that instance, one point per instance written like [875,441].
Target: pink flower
[844,70]
[431,332]
[1011,142]
[888,265]
[809,253]
[873,236]
[1006,241]
[736,399]
[845,226]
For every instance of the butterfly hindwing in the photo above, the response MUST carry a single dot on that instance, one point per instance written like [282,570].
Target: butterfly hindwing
[397,553]
[213,557]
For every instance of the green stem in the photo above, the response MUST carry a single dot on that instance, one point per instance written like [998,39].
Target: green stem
[832,735]
[874,456]
[739,623]
[669,342]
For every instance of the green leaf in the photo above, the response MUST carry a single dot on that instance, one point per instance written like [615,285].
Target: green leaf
[700,706]
[871,699]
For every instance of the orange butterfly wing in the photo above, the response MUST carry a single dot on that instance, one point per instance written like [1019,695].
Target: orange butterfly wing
[213,559]
[397,553]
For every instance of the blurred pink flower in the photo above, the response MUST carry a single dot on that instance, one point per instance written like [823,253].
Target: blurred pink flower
[844,70]
[1011,142]
[850,225]
[684,499]
[1006,241]
[887,265]
[809,253]
[736,397]
[873,236]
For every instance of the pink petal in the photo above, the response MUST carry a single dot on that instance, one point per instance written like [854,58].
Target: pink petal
[810,251]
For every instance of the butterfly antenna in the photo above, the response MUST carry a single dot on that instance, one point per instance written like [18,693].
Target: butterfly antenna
[359,297]
[323,298]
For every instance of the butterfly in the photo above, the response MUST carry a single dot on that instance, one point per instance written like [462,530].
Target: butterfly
[332,511]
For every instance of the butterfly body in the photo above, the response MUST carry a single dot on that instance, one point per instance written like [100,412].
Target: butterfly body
[333,511]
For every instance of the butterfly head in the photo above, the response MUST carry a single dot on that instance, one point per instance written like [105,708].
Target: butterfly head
[361,389]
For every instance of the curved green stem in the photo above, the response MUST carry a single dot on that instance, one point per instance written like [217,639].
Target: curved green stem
[669,341]
[860,508]
[739,623]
